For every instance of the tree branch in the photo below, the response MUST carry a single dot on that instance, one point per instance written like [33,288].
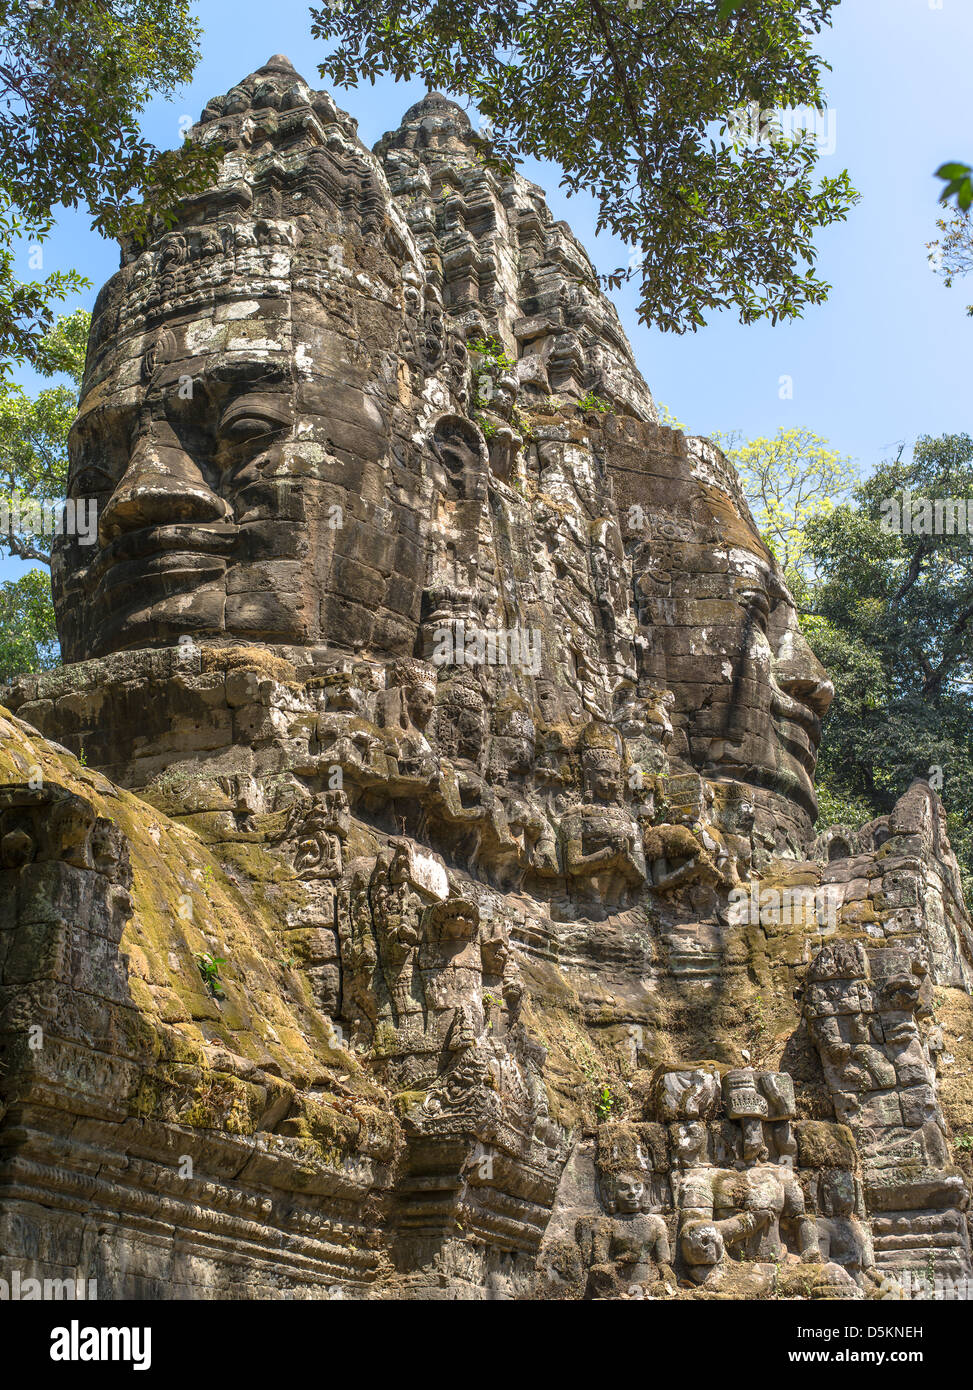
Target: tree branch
[22,550]
[912,574]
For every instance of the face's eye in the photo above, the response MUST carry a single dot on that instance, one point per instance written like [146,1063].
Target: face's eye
[757,606]
[246,427]
[100,448]
[252,419]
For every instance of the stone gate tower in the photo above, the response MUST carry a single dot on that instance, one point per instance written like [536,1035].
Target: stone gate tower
[413,871]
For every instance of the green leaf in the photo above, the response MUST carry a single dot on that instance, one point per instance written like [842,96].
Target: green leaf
[952,171]
[961,188]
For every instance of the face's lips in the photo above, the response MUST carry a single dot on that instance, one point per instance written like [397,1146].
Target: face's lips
[138,579]
[216,540]
[797,733]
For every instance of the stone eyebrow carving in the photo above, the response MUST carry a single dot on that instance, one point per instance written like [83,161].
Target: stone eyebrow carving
[250,371]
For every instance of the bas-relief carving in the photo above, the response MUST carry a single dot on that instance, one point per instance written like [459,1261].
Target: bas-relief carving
[627,1249]
[295,468]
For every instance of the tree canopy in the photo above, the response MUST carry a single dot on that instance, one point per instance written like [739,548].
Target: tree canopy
[74,76]
[34,435]
[28,636]
[951,255]
[789,479]
[890,614]
[33,470]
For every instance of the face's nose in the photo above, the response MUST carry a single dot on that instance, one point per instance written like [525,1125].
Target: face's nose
[798,671]
[162,486]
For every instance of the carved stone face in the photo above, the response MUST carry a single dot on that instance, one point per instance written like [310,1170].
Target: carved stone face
[723,633]
[513,744]
[252,433]
[766,729]
[602,777]
[629,1191]
[222,506]
[420,700]
[343,693]
[838,1193]
[399,867]
[505,397]
[461,719]
[242,403]
[688,1141]
[702,1247]
[458,449]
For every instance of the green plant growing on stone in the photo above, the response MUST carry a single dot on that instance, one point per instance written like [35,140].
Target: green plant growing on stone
[209,969]
[606,1104]
[494,362]
[173,784]
[496,359]
[591,401]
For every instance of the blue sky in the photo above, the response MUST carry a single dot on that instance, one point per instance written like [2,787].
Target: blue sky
[885,360]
